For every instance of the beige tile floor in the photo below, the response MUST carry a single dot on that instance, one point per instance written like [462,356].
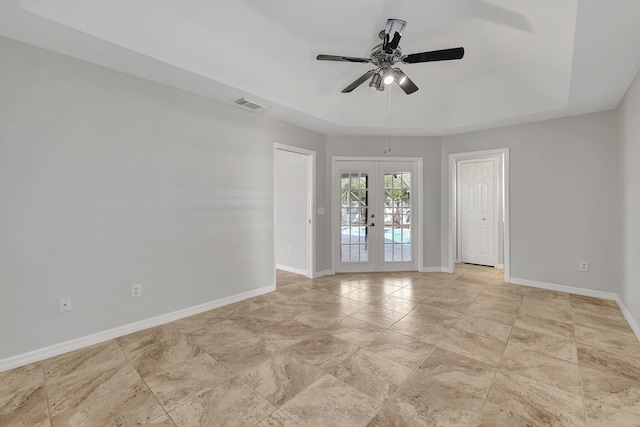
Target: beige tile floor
[398,349]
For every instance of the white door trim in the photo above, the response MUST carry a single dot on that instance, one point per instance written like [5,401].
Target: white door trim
[502,156]
[311,204]
[419,200]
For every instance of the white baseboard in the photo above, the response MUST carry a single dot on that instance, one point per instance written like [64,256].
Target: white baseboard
[440,269]
[77,343]
[499,266]
[324,273]
[292,269]
[433,270]
[627,315]
[563,288]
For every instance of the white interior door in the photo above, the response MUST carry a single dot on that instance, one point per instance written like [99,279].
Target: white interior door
[375,223]
[477,210]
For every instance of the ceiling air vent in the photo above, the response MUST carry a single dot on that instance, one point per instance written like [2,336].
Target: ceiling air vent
[251,105]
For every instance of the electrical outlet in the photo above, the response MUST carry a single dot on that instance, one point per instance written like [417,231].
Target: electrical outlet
[136,290]
[289,250]
[583,266]
[65,304]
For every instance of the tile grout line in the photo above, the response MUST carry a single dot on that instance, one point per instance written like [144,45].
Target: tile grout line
[575,339]
[428,354]
[411,374]
[130,362]
[495,374]
[46,393]
[413,371]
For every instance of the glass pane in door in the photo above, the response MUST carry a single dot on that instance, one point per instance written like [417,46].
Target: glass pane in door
[354,239]
[397,217]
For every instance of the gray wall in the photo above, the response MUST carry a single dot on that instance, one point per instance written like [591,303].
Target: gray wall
[108,180]
[428,148]
[629,114]
[565,198]
[291,210]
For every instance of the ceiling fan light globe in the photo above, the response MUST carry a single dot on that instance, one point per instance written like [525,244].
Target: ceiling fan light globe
[375,81]
[388,79]
[399,76]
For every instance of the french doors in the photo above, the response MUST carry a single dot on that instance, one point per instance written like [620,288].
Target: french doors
[375,218]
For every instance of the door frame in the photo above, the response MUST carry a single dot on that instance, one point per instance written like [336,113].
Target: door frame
[501,156]
[418,200]
[310,202]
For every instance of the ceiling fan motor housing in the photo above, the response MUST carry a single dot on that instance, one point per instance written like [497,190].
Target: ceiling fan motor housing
[379,57]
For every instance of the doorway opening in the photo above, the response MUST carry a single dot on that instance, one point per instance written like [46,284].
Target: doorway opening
[294,195]
[479,209]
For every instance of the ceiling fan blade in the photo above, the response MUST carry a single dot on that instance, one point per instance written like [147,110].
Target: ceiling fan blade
[342,58]
[392,34]
[405,83]
[360,80]
[434,55]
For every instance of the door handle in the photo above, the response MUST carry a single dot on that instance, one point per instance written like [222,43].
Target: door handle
[373,224]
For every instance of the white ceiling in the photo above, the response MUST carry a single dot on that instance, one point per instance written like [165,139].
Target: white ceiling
[524,60]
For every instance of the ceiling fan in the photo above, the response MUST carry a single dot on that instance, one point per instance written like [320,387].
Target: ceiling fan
[386,54]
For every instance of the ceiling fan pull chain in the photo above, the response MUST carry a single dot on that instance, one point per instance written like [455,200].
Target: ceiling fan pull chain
[388,122]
